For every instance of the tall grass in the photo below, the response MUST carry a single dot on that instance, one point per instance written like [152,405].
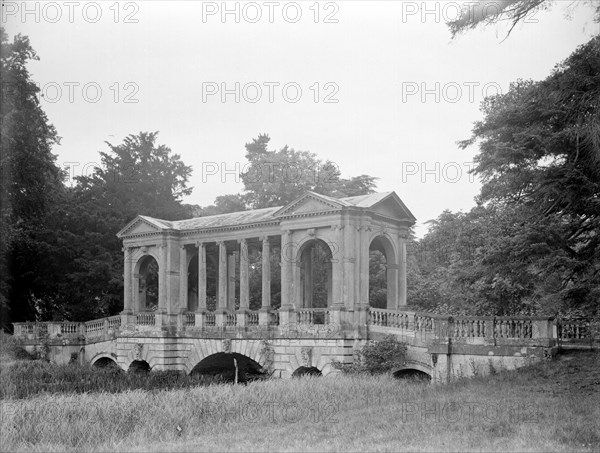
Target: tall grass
[540,408]
[27,378]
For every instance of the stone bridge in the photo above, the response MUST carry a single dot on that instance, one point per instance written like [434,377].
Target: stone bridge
[443,347]
[285,288]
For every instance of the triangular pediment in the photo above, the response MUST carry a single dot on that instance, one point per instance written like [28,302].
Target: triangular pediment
[139,225]
[310,202]
[393,207]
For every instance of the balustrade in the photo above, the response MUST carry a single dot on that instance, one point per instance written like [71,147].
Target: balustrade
[252,318]
[189,319]
[145,319]
[313,316]
[210,319]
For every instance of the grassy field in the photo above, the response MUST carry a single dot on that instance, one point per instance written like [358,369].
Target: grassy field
[552,406]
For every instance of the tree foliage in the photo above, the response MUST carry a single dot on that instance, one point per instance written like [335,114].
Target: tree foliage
[30,182]
[486,12]
[275,178]
[532,244]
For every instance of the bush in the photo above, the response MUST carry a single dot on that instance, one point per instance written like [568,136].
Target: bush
[376,357]
[10,350]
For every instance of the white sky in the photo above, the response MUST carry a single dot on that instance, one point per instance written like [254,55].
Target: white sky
[375,54]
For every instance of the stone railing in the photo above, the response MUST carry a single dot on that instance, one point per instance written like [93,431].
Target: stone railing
[578,332]
[98,329]
[422,327]
[389,318]
[145,319]
[465,329]
[312,316]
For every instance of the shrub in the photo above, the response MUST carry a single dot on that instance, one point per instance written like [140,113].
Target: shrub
[376,357]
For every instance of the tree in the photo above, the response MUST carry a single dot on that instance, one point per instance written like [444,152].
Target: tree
[30,184]
[531,245]
[275,178]
[82,255]
[540,156]
[514,11]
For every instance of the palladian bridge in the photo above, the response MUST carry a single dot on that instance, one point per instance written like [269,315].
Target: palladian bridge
[200,288]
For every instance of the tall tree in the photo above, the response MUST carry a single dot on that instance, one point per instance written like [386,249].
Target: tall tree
[30,184]
[534,235]
[275,178]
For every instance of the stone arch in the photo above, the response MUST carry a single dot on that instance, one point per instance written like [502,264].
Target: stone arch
[224,363]
[140,352]
[104,357]
[307,371]
[412,365]
[146,267]
[382,248]
[314,273]
[256,350]
[139,366]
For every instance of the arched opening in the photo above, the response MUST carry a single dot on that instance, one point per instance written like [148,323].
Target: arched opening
[148,284]
[212,277]
[105,363]
[221,367]
[315,276]
[255,271]
[192,299]
[139,366]
[307,371]
[410,374]
[382,274]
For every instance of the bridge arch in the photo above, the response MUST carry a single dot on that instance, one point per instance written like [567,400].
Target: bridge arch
[414,369]
[225,364]
[307,371]
[254,350]
[103,360]
[383,272]
[314,271]
[139,366]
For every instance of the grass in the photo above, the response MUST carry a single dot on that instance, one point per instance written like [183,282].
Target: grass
[550,406]
[24,379]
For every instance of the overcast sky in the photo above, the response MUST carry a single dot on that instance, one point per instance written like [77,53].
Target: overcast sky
[161,66]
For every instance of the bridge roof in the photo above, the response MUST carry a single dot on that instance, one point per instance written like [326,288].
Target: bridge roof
[266,215]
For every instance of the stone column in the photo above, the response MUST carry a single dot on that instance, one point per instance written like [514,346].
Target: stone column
[266,273]
[337,268]
[127,283]
[244,276]
[392,286]
[201,277]
[402,273]
[183,279]
[349,263]
[162,278]
[231,258]
[287,314]
[286,269]
[365,232]
[222,302]
[306,300]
